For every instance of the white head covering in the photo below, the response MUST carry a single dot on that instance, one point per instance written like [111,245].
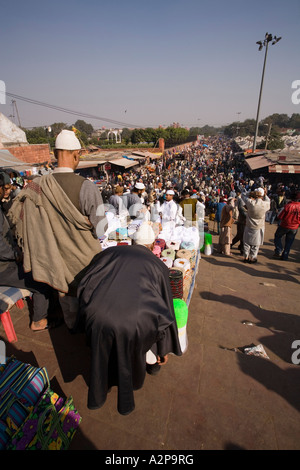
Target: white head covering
[67,140]
[144,235]
[139,186]
[260,191]
[171,192]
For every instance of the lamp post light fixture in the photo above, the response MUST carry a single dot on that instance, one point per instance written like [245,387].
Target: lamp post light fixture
[264,43]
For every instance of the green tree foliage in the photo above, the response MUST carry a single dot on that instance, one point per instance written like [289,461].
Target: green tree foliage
[137,136]
[172,135]
[57,127]
[283,121]
[275,141]
[39,135]
[240,128]
[84,127]
[294,122]
[205,130]
[126,135]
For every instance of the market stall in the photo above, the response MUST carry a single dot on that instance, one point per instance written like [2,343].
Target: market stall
[178,249]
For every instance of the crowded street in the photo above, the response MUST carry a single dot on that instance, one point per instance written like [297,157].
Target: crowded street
[235,382]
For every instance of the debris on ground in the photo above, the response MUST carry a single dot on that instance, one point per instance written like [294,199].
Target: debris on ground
[250,350]
[256,351]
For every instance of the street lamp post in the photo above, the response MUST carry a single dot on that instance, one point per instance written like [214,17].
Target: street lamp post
[264,43]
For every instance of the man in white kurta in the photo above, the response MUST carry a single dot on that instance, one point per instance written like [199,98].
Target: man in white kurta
[257,207]
[168,211]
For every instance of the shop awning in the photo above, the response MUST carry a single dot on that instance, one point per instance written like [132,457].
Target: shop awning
[151,155]
[139,153]
[7,160]
[123,162]
[284,169]
[89,164]
[256,163]
[137,157]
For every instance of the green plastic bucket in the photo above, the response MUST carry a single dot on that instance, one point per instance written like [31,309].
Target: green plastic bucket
[207,239]
[181,312]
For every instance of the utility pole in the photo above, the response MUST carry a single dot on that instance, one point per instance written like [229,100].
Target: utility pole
[14,105]
[265,43]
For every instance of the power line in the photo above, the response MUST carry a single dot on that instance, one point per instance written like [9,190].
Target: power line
[70,111]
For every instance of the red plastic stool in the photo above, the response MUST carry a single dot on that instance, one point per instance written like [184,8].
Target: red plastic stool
[20,303]
[8,327]
[10,296]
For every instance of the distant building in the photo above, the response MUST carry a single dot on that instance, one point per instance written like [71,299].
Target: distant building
[13,139]
[10,133]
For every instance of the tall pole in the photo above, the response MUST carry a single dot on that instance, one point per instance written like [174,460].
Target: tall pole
[268,38]
[259,100]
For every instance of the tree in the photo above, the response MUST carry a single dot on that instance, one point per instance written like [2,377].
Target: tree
[126,135]
[280,120]
[241,129]
[137,136]
[147,135]
[195,131]
[159,134]
[294,121]
[57,127]
[84,127]
[38,135]
[176,136]
[274,141]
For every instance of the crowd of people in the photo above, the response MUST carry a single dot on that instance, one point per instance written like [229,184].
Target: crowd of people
[207,180]
[50,228]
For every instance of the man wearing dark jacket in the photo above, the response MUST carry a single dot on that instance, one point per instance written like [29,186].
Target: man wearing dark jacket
[289,223]
[241,222]
[126,302]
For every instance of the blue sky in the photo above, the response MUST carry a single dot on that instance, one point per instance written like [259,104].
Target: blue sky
[149,63]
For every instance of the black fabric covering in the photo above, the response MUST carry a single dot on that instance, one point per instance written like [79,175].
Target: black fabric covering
[127,304]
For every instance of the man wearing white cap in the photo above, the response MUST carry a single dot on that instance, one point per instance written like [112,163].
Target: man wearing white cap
[257,205]
[60,215]
[133,201]
[144,235]
[169,211]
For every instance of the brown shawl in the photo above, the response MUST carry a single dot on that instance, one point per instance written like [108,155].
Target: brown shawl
[56,239]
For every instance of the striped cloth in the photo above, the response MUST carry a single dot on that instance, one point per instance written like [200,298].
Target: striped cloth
[21,386]
[10,295]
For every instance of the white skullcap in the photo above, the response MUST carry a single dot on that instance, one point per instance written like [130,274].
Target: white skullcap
[139,186]
[67,140]
[260,191]
[171,192]
[144,235]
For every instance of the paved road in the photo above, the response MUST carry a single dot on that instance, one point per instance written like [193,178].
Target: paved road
[214,396]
